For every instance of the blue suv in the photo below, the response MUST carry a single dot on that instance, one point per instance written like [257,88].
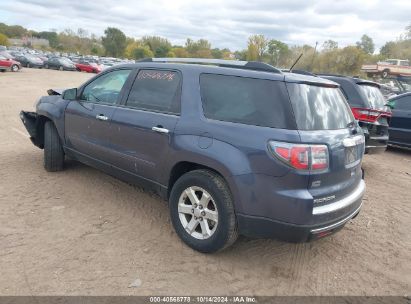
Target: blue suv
[235,147]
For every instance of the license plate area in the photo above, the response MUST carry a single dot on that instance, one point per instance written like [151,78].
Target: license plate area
[351,155]
[353,149]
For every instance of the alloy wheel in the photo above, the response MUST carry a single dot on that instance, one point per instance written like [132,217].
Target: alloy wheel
[198,212]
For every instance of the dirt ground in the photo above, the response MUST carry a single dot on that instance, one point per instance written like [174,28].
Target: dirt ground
[82,232]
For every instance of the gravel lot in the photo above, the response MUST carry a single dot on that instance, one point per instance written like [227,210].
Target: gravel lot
[82,232]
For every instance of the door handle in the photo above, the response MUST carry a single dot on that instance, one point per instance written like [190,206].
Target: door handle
[159,129]
[101,117]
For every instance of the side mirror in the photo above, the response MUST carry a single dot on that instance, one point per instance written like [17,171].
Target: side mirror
[70,94]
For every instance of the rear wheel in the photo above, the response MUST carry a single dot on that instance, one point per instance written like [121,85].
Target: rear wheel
[385,73]
[202,211]
[53,149]
[28,65]
[14,68]
[61,68]
[46,66]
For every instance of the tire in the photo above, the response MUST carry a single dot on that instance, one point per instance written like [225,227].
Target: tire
[14,68]
[61,68]
[78,70]
[46,66]
[223,232]
[28,65]
[385,73]
[53,149]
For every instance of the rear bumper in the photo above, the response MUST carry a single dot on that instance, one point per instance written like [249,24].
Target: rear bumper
[326,219]
[267,228]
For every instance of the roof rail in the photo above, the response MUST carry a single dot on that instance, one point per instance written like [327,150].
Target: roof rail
[302,72]
[239,64]
[336,75]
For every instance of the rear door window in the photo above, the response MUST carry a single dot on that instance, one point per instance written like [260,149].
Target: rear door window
[156,90]
[319,108]
[373,97]
[245,100]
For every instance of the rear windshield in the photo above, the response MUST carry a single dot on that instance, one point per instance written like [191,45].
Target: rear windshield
[257,102]
[319,108]
[373,96]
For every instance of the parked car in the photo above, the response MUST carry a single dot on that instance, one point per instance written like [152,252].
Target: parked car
[62,64]
[89,67]
[397,67]
[237,148]
[9,64]
[368,106]
[29,61]
[400,125]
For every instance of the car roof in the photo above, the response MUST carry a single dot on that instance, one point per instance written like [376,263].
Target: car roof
[355,80]
[232,70]
[400,96]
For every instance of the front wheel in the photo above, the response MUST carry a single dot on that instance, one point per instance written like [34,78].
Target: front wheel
[61,68]
[14,68]
[53,149]
[202,211]
[28,65]
[385,73]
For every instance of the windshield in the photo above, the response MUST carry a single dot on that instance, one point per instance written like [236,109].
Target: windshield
[374,97]
[319,108]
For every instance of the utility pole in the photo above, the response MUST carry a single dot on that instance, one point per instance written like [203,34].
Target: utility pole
[312,61]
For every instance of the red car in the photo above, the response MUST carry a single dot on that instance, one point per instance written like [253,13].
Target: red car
[9,64]
[89,67]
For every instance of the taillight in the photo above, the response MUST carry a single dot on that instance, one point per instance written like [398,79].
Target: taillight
[368,115]
[301,157]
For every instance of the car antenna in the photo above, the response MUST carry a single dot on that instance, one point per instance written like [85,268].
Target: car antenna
[295,62]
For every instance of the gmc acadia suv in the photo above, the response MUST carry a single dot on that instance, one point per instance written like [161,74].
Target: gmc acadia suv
[235,147]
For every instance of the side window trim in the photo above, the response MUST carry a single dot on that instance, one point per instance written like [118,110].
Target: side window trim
[120,97]
[126,96]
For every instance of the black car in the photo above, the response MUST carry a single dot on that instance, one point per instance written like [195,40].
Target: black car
[369,108]
[30,61]
[400,125]
[60,63]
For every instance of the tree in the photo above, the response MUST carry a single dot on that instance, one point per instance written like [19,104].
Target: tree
[180,52]
[366,44]
[162,51]
[330,45]
[114,42]
[257,45]
[51,37]
[13,31]
[277,50]
[200,48]
[4,40]
[217,53]
[142,52]
[159,46]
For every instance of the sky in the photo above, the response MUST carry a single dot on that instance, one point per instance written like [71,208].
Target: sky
[225,23]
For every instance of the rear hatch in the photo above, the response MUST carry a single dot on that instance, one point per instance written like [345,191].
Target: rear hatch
[375,103]
[323,117]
